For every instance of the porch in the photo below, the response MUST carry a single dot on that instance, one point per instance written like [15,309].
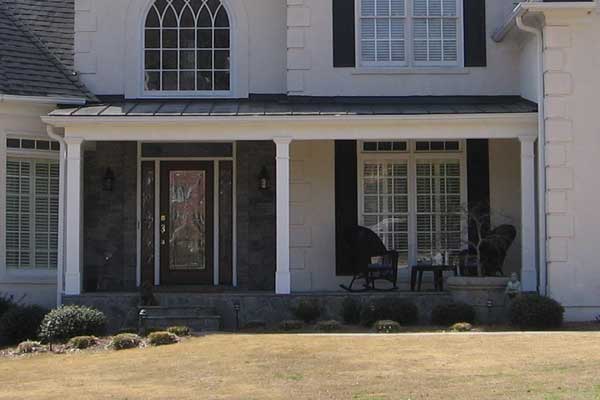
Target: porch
[282,237]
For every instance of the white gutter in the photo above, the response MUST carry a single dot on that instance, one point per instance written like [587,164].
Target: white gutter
[61,211]
[543,267]
[6,98]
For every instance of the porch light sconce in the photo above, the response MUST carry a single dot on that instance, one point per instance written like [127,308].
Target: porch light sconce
[264,181]
[108,181]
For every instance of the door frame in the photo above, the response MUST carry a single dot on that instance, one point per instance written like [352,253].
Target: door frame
[216,251]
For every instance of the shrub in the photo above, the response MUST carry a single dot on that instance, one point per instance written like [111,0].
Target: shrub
[255,324]
[390,308]
[536,312]
[451,313]
[329,326]
[63,323]
[6,303]
[161,338]
[124,341]
[461,327]
[307,310]
[291,325]
[351,309]
[82,342]
[29,346]
[20,323]
[179,330]
[387,326]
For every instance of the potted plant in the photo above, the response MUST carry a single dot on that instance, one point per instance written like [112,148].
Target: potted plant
[481,281]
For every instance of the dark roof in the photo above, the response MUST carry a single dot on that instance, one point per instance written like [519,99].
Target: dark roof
[298,106]
[36,49]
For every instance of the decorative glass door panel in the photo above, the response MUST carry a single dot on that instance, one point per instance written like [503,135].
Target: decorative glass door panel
[186,223]
[385,207]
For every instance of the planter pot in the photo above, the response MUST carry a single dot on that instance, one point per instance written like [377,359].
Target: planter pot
[485,294]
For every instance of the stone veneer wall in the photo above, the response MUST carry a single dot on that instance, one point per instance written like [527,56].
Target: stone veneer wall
[255,217]
[110,217]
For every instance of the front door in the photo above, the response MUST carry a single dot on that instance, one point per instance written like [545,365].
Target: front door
[186,222]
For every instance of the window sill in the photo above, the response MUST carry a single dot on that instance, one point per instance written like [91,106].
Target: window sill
[411,71]
[28,276]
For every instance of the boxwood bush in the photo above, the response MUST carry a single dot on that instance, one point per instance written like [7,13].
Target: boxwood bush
[533,311]
[179,330]
[307,310]
[82,342]
[389,308]
[162,338]
[351,309]
[64,323]
[125,341]
[452,313]
[6,303]
[21,323]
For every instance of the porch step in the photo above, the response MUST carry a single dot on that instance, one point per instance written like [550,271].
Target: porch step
[197,318]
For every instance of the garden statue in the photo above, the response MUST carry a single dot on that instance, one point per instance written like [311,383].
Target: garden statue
[513,287]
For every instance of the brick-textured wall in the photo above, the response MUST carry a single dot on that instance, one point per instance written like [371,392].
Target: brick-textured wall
[110,217]
[255,217]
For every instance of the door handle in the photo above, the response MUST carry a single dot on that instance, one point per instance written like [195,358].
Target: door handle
[163,228]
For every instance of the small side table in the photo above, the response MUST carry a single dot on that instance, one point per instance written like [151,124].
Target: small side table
[416,275]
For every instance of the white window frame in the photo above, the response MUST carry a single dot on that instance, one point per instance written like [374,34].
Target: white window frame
[412,157]
[26,155]
[409,42]
[186,93]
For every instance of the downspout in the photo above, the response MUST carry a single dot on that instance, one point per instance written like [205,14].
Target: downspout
[61,211]
[543,267]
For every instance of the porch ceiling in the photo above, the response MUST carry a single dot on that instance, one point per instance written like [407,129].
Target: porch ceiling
[282,106]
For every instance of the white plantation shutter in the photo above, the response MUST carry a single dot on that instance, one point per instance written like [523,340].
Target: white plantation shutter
[385,203]
[435,31]
[382,31]
[31,213]
[438,207]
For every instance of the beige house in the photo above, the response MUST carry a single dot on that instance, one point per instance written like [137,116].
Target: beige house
[226,145]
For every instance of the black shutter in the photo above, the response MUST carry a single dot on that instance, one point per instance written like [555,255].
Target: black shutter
[478,180]
[475,33]
[346,202]
[344,50]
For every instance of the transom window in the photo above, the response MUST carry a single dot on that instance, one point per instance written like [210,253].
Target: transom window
[409,32]
[187,47]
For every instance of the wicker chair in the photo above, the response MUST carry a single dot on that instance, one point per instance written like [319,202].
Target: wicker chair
[365,245]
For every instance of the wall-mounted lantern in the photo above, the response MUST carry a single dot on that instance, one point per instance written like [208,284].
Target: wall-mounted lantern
[264,181]
[108,181]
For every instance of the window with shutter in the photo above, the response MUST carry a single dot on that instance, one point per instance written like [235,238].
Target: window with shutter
[439,220]
[31,213]
[409,32]
[414,199]
[385,203]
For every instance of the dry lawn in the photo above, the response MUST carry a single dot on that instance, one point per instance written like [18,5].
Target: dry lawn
[454,366]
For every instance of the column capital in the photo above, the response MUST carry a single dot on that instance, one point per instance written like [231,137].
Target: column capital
[70,140]
[283,140]
[527,139]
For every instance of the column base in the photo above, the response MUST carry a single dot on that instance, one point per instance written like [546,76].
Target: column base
[529,281]
[72,284]
[283,283]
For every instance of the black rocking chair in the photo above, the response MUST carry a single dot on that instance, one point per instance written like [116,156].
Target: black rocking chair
[365,245]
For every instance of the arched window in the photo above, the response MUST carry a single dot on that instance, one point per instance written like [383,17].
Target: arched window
[187,46]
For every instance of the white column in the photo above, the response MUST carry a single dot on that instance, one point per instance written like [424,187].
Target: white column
[282,185]
[528,212]
[73,248]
